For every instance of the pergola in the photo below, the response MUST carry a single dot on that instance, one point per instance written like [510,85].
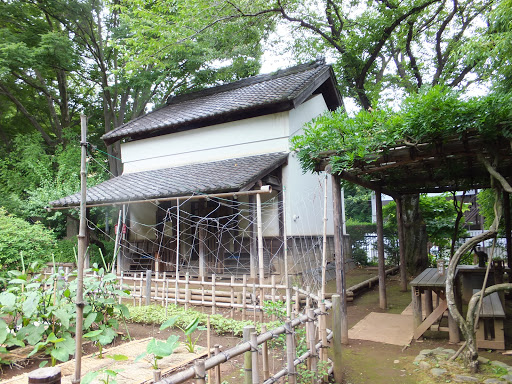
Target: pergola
[450,164]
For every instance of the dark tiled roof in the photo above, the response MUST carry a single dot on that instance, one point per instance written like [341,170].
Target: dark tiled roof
[219,176]
[249,97]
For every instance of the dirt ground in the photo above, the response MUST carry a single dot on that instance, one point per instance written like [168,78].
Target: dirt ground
[364,361]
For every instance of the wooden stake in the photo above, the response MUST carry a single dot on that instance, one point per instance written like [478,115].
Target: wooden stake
[82,246]
[264,355]
[217,367]
[232,297]
[187,290]
[244,297]
[254,355]
[248,329]
[213,294]
[290,353]
[200,371]
[336,339]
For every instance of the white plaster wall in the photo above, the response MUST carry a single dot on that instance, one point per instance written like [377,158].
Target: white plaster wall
[305,191]
[142,221]
[254,136]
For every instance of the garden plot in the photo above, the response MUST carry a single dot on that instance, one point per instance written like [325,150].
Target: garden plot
[130,372]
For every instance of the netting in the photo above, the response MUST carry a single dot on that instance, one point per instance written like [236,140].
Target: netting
[220,235]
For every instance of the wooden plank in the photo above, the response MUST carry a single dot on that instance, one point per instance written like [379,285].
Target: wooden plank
[431,319]
[418,279]
[496,305]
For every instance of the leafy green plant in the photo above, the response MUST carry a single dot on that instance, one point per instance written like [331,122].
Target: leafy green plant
[158,349]
[190,342]
[109,375]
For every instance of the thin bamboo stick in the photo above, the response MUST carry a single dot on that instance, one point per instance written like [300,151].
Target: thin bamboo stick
[264,355]
[232,297]
[213,294]
[244,295]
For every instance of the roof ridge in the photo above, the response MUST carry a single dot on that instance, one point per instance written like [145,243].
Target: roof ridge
[245,82]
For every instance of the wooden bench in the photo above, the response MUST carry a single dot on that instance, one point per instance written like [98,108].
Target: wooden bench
[489,334]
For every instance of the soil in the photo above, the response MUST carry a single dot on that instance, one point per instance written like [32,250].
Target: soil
[364,361]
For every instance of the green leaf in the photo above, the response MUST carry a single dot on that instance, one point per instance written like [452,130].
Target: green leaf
[60,354]
[89,377]
[30,304]
[8,300]
[91,317]
[90,335]
[37,347]
[3,331]
[192,326]
[63,316]
[117,357]
[169,323]
[43,364]
[107,336]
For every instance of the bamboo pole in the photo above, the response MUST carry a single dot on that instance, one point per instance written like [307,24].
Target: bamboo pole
[244,295]
[286,272]
[324,241]
[312,341]
[82,246]
[297,302]
[254,356]
[264,355]
[187,290]
[177,249]
[217,367]
[273,292]
[232,297]
[116,246]
[200,371]
[209,343]
[323,335]
[260,251]
[290,353]
[248,329]
[213,294]
[336,339]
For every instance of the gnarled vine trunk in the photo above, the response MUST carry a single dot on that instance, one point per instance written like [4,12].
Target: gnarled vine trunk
[415,235]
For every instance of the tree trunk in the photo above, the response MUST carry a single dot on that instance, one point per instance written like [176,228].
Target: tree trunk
[415,235]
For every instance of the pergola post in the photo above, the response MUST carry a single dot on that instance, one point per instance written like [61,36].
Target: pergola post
[508,228]
[339,257]
[401,243]
[380,250]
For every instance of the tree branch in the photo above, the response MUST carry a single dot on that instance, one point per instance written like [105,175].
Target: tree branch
[494,173]
[412,58]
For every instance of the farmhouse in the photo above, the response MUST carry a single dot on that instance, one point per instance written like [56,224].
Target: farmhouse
[194,173]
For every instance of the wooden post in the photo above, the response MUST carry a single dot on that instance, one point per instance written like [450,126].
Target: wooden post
[254,356]
[82,247]
[508,229]
[244,297]
[312,341]
[416,307]
[297,302]
[260,252]
[177,250]
[380,249]
[323,335]
[338,252]
[248,329]
[213,295]
[264,355]
[50,375]
[290,353]
[428,302]
[202,261]
[217,367]
[253,245]
[401,243]
[285,252]
[187,290]
[324,243]
[200,370]
[336,339]
[148,287]
[232,297]
[273,292]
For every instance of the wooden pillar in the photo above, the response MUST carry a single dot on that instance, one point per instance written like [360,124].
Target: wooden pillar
[339,257]
[202,256]
[253,245]
[380,249]
[428,302]
[508,229]
[416,307]
[401,242]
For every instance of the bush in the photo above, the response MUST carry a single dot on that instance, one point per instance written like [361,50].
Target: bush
[19,237]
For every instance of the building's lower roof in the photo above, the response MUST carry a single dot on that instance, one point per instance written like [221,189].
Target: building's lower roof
[219,176]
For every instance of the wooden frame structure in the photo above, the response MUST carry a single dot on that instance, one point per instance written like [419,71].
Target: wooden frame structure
[456,163]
